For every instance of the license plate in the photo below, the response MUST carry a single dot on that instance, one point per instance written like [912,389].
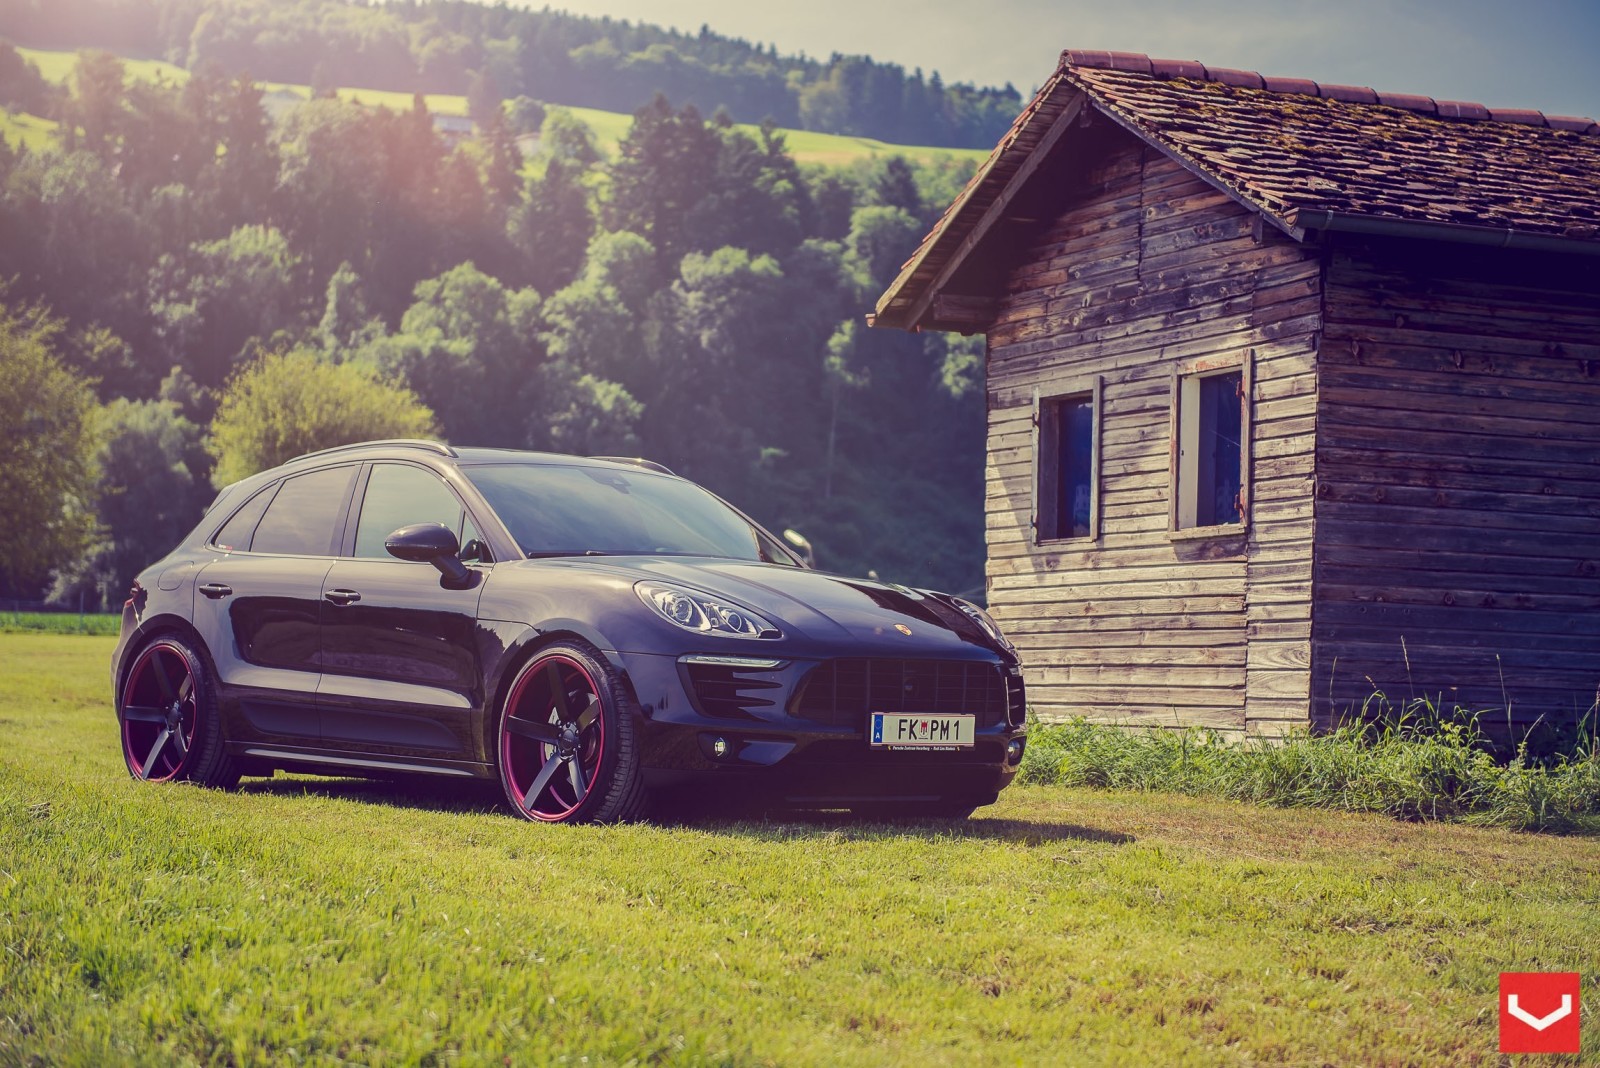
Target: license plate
[892,731]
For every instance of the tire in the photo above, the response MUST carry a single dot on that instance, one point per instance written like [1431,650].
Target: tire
[168,716]
[566,742]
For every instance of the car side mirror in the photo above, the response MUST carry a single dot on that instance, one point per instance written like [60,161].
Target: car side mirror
[431,543]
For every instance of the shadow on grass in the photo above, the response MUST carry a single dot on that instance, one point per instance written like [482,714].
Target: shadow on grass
[437,795]
[473,796]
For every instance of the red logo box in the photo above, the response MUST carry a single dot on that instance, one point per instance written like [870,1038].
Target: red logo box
[1539,1012]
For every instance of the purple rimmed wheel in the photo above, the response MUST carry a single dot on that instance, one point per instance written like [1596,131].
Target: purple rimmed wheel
[566,741]
[168,716]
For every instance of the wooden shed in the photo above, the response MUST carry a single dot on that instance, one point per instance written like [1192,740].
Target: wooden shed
[1293,395]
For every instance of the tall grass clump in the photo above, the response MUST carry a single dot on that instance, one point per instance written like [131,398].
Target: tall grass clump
[1417,766]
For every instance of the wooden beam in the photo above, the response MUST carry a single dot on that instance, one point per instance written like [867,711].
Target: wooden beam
[997,209]
[965,310]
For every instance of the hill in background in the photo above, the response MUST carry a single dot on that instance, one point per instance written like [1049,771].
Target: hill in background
[477,51]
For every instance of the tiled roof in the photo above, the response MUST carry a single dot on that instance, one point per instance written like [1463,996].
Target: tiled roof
[1305,155]
[1287,144]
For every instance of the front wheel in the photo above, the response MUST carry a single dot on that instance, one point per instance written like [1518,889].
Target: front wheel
[566,741]
[171,730]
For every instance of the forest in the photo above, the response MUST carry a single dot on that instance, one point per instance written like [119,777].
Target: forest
[191,290]
[459,46]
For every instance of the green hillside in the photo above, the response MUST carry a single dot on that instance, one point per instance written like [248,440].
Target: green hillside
[609,126]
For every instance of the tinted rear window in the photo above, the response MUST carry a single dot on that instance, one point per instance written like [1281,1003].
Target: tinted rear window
[236,533]
[301,519]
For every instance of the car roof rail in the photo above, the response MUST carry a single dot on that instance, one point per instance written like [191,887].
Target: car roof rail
[638,461]
[394,443]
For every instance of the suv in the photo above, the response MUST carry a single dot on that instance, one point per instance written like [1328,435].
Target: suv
[592,632]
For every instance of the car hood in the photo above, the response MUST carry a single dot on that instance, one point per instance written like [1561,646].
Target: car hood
[878,617]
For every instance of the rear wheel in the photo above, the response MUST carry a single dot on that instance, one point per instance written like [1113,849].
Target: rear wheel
[566,741]
[171,731]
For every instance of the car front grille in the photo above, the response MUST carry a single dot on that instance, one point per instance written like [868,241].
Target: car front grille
[730,692]
[842,692]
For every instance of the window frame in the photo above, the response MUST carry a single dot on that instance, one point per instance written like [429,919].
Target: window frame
[1047,456]
[274,488]
[1194,370]
[358,498]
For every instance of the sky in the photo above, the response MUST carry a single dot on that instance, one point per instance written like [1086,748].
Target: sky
[1529,54]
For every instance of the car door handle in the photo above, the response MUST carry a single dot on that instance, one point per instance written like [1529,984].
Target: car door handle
[342,596]
[215,590]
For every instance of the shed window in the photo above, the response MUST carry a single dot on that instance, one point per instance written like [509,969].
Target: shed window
[1212,423]
[1067,466]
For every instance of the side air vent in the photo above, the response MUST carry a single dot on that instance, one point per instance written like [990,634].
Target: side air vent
[729,692]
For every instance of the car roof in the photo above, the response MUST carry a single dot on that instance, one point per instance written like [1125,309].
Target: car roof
[410,448]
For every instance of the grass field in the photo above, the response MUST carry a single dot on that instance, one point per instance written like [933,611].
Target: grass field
[609,127]
[101,623]
[318,920]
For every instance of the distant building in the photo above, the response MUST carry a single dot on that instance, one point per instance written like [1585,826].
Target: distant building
[452,128]
[1293,392]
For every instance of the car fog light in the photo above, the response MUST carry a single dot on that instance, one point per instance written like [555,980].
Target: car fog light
[1014,751]
[719,747]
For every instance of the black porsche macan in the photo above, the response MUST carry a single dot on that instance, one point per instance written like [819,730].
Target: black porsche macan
[598,634]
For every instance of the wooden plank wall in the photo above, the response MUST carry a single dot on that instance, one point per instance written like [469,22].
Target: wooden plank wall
[1459,481]
[1148,269]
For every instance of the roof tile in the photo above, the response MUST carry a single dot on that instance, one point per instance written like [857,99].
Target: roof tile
[1350,94]
[1424,104]
[1521,115]
[1244,79]
[1287,145]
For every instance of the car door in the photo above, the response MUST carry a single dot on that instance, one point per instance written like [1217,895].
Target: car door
[258,605]
[400,657]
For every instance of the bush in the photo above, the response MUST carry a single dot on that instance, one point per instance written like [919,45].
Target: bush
[1416,767]
[284,406]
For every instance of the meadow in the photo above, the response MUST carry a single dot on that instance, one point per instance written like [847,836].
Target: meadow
[308,920]
[609,126]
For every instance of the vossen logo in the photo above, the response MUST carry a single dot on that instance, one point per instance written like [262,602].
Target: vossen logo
[1539,1012]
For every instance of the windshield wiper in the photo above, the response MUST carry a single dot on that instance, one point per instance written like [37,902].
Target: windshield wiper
[547,553]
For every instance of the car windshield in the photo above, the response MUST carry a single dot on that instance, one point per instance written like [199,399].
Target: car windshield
[560,510]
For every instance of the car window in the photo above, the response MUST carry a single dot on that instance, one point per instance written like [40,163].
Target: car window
[557,510]
[236,533]
[399,495]
[301,518]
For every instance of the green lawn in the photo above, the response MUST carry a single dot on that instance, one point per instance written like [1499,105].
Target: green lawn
[60,623]
[326,921]
[609,126]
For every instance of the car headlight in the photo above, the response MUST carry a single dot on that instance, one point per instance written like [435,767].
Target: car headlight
[703,613]
[985,623]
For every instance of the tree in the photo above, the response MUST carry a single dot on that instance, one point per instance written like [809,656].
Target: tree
[149,493]
[211,303]
[285,405]
[470,348]
[47,418]
[551,226]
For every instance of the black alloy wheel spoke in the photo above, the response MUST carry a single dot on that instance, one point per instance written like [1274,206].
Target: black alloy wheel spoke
[558,692]
[538,732]
[162,682]
[588,715]
[546,773]
[187,688]
[575,774]
[144,714]
[183,746]
[155,751]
